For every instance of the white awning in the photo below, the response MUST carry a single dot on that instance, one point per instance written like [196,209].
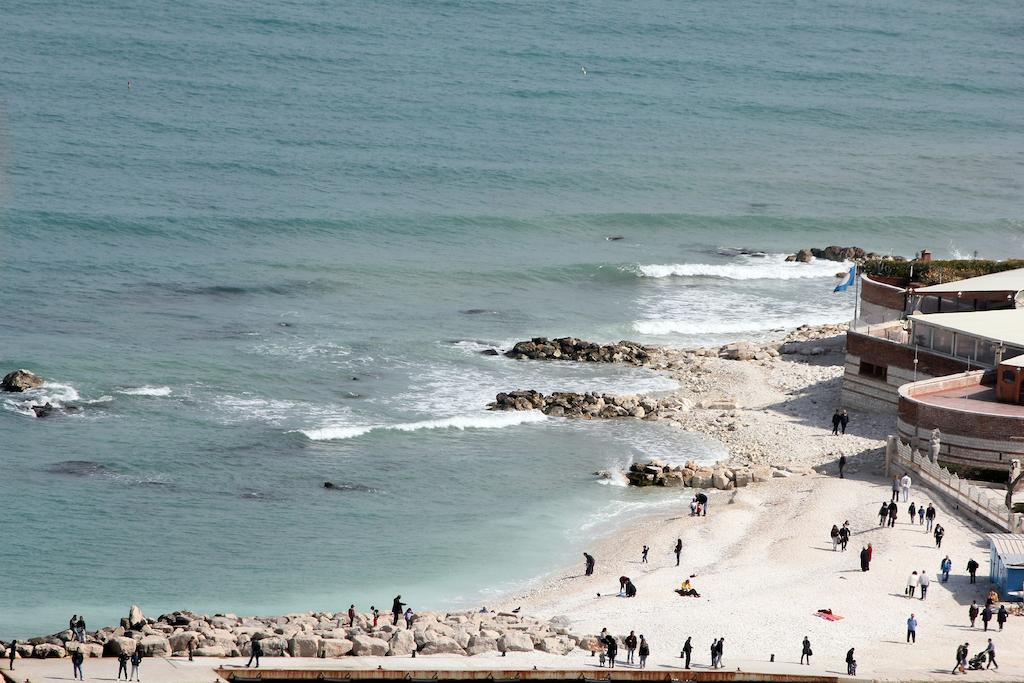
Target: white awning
[1005,325]
[1006,281]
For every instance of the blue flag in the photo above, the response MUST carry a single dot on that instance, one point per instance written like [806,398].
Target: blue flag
[849,283]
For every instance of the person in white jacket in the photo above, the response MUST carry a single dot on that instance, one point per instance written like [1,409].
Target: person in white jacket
[924,582]
[905,486]
[911,584]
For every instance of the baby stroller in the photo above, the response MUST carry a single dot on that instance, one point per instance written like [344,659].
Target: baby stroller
[977,661]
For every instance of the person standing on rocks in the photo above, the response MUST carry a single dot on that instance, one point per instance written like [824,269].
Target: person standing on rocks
[408,618]
[972,569]
[643,555]
[587,557]
[912,629]
[122,665]
[806,651]
[973,611]
[351,616]
[137,659]
[76,665]
[81,629]
[644,652]
[630,643]
[687,649]
[842,465]
[397,605]
[837,417]
[376,615]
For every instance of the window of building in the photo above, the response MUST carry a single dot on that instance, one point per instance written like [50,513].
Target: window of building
[923,336]
[879,372]
[986,352]
[965,346]
[1009,376]
[942,341]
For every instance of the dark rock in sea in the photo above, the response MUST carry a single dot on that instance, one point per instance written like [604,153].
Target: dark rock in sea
[284,324]
[804,256]
[476,311]
[20,380]
[570,348]
[43,410]
[348,486]
[490,352]
[355,379]
[78,468]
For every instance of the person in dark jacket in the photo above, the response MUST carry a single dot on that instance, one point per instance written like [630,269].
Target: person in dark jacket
[939,533]
[137,659]
[12,653]
[589,560]
[837,417]
[864,559]
[644,651]
[986,616]
[806,651]
[613,649]
[929,516]
[913,512]
[703,500]
[844,420]
[396,608]
[255,653]
[687,649]
[721,650]
[961,659]
[973,611]
[714,654]
[834,535]
[972,569]
[76,665]
[844,535]
[678,549]
[122,665]
[883,514]
[630,589]
[1001,617]
[893,511]
[842,465]
[630,643]
[851,663]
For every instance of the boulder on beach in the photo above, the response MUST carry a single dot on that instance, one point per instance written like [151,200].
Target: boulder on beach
[368,646]
[20,380]
[335,647]
[515,641]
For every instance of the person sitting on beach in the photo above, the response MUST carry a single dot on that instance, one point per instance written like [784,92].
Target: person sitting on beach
[630,589]
[623,580]
[687,590]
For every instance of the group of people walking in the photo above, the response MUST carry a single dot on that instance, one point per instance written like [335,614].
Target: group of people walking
[840,536]
[637,649]
[986,614]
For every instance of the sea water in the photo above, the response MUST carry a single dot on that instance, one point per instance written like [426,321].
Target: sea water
[260,246]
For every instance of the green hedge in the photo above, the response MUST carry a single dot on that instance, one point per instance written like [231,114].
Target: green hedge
[937,272]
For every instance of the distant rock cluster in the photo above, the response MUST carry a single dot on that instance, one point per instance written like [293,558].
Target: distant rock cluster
[313,634]
[834,253]
[570,348]
[590,404]
[20,380]
[724,478]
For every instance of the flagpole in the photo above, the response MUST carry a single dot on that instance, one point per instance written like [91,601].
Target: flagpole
[856,294]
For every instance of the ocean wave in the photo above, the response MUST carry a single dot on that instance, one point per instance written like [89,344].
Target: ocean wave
[494,420]
[146,391]
[709,326]
[57,394]
[771,267]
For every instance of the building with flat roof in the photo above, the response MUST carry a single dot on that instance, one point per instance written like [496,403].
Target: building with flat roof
[1006,568]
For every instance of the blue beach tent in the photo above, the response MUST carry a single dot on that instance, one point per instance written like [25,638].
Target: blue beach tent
[1006,567]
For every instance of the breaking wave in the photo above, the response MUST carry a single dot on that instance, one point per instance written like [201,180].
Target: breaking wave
[771,267]
[146,391]
[494,420]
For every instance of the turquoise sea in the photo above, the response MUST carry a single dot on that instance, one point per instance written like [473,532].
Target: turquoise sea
[260,246]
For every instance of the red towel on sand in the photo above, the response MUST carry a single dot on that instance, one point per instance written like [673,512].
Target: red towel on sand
[829,617]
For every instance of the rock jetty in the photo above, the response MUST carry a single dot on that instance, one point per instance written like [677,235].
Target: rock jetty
[591,404]
[20,380]
[721,477]
[570,348]
[835,253]
[313,634]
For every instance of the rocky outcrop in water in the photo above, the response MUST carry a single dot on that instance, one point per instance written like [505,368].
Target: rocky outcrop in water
[722,477]
[570,348]
[840,254]
[590,405]
[20,380]
[313,634]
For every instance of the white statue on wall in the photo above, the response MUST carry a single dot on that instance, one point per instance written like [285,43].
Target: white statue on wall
[934,445]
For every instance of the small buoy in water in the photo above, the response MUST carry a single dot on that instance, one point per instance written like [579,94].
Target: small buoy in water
[328,485]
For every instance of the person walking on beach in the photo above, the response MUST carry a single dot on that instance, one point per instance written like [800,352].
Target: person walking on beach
[12,653]
[714,653]
[905,486]
[643,555]
[929,516]
[587,557]
[679,549]
[630,643]
[973,611]
[864,558]
[991,652]
[644,651]
[254,654]
[913,512]
[844,420]
[844,535]
[806,651]
[972,569]
[946,566]
[1001,616]
[842,465]
[613,649]
[920,515]
[137,659]
[912,629]
[911,583]
[191,647]
[837,417]
[351,616]
[702,498]
[961,659]
[835,537]
[986,616]
[122,665]
[396,608]
[851,663]
[924,582]
[895,489]
[687,649]
[720,648]
[892,514]
[939,533]
[883,514]
[76,665]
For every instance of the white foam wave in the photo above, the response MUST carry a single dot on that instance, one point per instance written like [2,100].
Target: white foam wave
[146,391]
[495,420]
[56,394]
[617,478]
[772,267]
[709,326]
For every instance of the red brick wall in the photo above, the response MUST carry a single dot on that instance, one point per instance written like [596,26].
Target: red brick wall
[881,352]
[952,421]
[881,295]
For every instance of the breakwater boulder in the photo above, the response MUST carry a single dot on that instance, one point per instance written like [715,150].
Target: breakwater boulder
[570,348]
[590,405]
[314,634]
[723,477]
[20,380]
[837,253]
